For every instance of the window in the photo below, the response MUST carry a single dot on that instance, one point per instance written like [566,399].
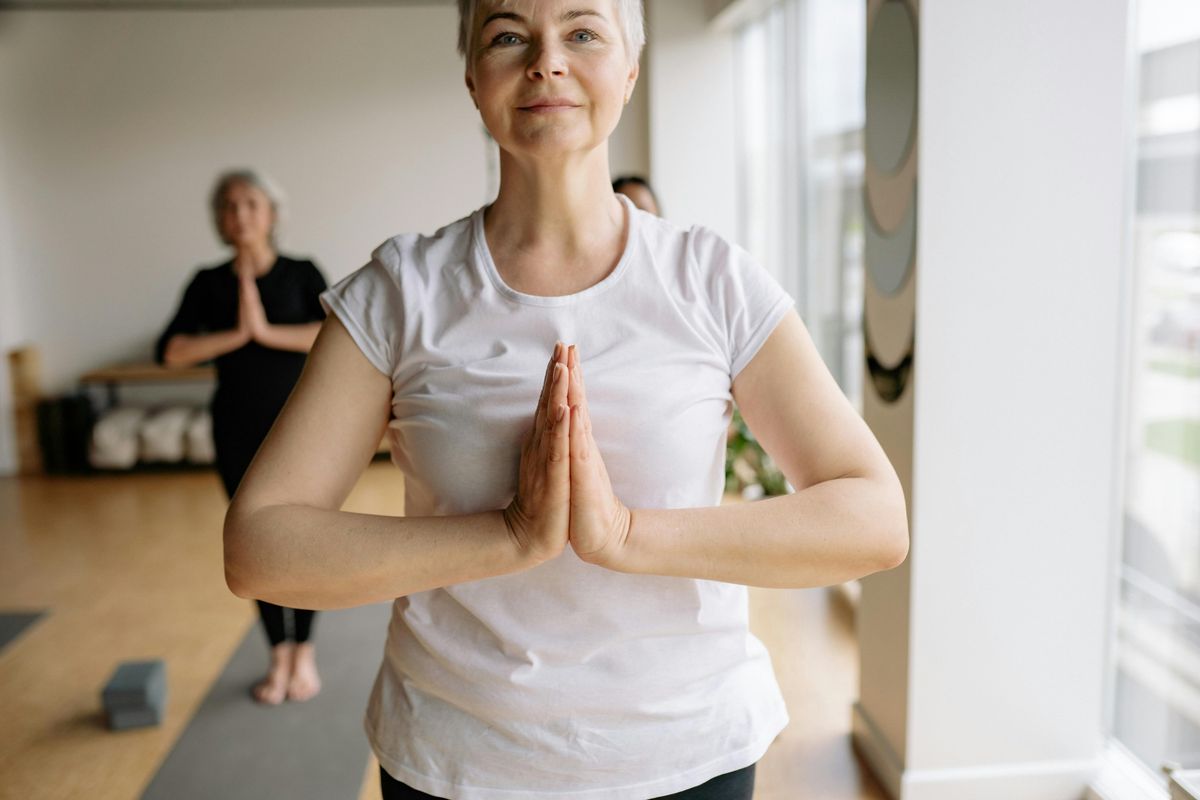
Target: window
[1156,672]
[801,74]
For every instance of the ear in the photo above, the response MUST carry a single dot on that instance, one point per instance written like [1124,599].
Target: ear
[631,79]
[470,81]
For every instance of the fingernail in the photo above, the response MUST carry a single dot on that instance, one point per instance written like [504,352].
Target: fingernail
[561,410]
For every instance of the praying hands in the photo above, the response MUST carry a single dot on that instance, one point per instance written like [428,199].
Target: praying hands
[564,494]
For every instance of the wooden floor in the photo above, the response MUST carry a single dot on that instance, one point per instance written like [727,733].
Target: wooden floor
[130,567]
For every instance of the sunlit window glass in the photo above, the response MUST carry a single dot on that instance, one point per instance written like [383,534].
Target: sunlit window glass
[1156,687]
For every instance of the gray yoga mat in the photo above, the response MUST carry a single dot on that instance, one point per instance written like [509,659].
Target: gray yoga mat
[14,623]
[234,748]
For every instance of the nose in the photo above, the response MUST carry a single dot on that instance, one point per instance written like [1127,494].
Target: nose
[546,61]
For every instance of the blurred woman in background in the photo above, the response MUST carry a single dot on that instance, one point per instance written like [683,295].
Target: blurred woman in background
[257,316]
[637,189]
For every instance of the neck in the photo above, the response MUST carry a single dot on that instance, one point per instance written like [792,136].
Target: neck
[565,207]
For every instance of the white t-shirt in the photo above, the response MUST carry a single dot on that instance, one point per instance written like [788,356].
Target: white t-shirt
[566,680]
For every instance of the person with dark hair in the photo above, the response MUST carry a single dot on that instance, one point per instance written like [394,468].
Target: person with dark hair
[555,372]
[637,189]
[257,316]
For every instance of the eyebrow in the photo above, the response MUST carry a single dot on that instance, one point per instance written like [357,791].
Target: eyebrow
[566,17]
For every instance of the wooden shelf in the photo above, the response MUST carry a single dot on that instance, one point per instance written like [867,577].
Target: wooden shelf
[121,374]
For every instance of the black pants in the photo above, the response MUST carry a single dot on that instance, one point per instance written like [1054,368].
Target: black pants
[235,449]
[736,785]
[276,619]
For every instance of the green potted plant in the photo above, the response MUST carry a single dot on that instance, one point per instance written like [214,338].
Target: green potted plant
[749,471]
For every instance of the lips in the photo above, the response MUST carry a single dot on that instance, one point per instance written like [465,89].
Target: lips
[549,104]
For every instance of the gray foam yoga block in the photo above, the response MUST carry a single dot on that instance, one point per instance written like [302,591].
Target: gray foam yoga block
[136,694]
[120,719]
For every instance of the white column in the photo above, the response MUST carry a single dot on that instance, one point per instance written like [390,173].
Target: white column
[984,658]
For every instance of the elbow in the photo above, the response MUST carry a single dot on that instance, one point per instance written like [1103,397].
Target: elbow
[238,576]
[236,579]
[239,583]
[174,355]
[887,555]
[898,552]
[168,355]
[895,530]
[236,583]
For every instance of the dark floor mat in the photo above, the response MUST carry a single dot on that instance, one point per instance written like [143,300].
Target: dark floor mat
[14,623]
[234,748]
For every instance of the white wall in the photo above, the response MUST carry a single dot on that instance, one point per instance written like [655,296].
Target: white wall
[10,323]
[629,145]
[114,123]
[691,119]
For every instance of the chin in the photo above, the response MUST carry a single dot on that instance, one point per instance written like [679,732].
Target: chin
[547,144]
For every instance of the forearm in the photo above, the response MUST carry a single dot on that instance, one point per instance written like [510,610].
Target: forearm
[823,535]
[305,557]
[298,338]
[185,350]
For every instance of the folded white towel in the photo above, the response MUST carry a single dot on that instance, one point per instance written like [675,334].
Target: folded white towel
[114,442]
[162,434]
[200,447]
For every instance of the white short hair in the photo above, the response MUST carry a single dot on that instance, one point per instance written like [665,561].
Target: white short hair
[248,177]
[633,26]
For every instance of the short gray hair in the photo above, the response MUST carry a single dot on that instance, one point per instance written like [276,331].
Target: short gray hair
[248,177]
[633,26]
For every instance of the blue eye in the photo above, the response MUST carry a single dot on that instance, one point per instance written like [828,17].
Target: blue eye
[498,38]
[591,35]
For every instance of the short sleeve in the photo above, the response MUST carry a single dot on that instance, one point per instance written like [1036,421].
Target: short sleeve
[747,301]
[189,317]
[314,285]
[370,304]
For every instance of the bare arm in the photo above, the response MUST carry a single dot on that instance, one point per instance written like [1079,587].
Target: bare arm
[287,542]
[846,519]
[298,338]
[185,350]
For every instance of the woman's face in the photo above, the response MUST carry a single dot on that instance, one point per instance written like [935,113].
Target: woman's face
[245,216]
[549,76]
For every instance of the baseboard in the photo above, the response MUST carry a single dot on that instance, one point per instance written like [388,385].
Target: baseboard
[1042,780]
[1038,780]
[875,749]
[1123,777]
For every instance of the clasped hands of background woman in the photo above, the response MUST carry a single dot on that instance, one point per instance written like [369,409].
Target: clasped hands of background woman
[563,492]
[252,317]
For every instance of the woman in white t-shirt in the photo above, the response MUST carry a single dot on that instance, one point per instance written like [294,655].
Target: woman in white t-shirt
[555,373]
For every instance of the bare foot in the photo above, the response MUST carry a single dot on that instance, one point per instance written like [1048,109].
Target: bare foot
[272,689]
[305,682]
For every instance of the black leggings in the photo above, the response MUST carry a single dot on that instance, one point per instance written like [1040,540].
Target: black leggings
[281,623]
[276,620]
[736,785]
